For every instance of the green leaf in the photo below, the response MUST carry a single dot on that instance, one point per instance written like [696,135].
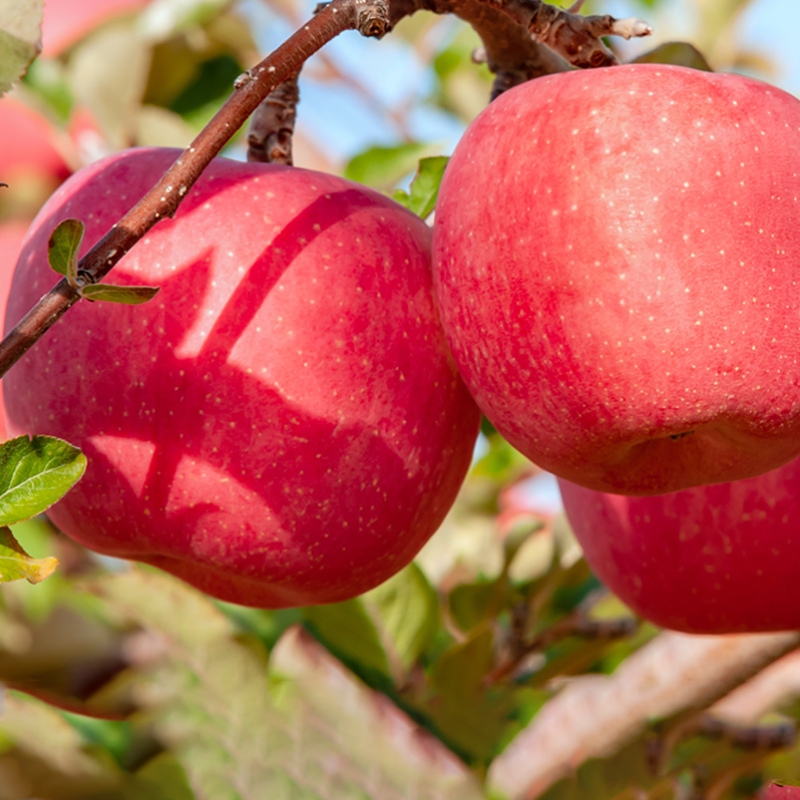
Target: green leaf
[128,295]
[470,603]
[408,609]
[34,474]
[469,715]
[382,167]
[16,564]
[114,736]
[63,247]
[347,630]
[20,38]
[302,727]
[681,54]
[165,772]
[425,186]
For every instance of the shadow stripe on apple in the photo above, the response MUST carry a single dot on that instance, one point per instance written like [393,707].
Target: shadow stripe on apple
[723,558]
[617,261]
[283,424]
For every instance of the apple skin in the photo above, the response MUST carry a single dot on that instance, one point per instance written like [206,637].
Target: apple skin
[68,21]
[711,559]
[12,234]
[31,146]
[777,791]
[283,424]
[616,261]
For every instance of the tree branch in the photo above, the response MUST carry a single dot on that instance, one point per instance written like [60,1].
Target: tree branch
[163,199]
[513,33]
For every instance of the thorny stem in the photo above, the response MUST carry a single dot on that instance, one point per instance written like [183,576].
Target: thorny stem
[164,198]
[512,32]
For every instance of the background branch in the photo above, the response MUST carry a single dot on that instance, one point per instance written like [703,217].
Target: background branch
[597,714]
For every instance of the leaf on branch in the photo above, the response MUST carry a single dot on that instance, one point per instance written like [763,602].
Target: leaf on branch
[407,609]
[382,167]
[128,295]
[468,714]
[16,564]
[20,38]
[347,630]
[421,198]
[34,474]
[63,247]
[680,54]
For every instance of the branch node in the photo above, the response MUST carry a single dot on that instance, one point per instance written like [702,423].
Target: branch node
[372,19]
[243,80]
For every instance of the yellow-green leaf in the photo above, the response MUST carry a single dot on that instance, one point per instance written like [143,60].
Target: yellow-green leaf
[15,563]
[129,295]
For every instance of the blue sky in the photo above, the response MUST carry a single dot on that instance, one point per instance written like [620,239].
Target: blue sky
[344,123]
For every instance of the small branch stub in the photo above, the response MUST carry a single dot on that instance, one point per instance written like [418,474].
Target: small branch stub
[578,38]
[372,19]
[272,125]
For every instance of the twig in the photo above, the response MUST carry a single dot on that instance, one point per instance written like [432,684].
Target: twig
[576,38]
[576,625]
[162,201]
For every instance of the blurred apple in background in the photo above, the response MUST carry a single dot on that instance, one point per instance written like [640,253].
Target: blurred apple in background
[777,791]
[12,234]
[68,21]
[33,158]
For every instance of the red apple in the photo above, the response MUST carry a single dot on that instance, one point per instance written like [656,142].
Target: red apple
[12,234]
[616,258]
[711,559]
[31,146]
[283,424]
[68,21]
[777,791]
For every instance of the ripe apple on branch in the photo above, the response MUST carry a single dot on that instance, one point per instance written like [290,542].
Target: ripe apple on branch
[283,424]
